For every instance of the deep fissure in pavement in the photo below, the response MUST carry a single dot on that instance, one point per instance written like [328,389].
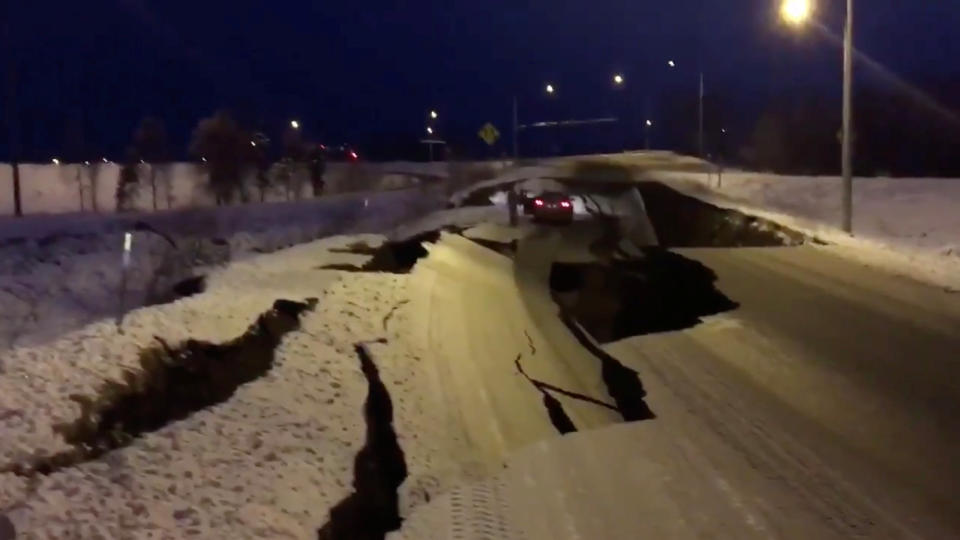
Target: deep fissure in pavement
[661,291]
[393,257]
[173,383]
[683,221]
[623,384]
[507,249]
[373,509]
[558,416]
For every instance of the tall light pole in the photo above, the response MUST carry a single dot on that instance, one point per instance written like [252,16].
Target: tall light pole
[847,151]
[700,128]
[798,12]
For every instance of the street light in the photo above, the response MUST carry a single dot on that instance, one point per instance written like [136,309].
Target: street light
[671,63]
[798,12]
[253,144]
[295,124]
[618,79]
[55,161]
[550,89]
[433,115]
[430,130]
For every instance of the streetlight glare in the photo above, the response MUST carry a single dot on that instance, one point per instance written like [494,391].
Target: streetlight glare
[253,144]
[649,123]
[55,161]
[430,130]
[618,79]
[796,11]
[550,89]
[671,63]
[295,124]
[433,115]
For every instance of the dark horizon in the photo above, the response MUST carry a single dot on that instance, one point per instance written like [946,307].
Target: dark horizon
[354,75]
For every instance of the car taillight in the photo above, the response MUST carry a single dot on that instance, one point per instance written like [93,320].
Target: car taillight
[538,202]
[565,204]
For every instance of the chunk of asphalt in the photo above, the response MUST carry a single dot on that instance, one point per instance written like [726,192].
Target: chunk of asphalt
[173,383]
[373,509]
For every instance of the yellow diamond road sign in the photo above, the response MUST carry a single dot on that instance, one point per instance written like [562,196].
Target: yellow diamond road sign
[489,134]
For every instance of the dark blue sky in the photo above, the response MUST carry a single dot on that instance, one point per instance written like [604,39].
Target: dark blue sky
[347,70]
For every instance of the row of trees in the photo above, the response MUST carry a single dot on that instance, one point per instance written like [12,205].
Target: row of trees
[227,153]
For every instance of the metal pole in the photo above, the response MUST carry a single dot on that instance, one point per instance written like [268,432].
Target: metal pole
[430,145]
[847,152]
[701,116]
[13,121]
[516,123]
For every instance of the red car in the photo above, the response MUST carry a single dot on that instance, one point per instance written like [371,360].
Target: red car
[552,207]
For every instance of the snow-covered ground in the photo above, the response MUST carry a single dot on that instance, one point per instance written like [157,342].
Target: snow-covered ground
[58,273]
[908,225]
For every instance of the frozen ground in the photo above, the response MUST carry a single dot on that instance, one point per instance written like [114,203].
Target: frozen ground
[58,273]
[909,225]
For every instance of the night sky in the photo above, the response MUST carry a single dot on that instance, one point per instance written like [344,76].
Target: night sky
[349,70]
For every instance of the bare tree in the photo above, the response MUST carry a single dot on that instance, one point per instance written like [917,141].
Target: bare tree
[150,140]
[259,153]
[93,175]
[128,185]
[220,141]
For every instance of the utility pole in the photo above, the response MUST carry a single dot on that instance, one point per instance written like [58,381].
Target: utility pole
[516,130]
[701,140]
[12,116]
[847,151]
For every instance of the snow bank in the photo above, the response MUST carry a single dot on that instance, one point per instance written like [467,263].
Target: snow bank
[58,273]
[909,225]
[268,463]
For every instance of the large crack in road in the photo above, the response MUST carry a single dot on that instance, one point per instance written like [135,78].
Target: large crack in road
[373,509]
[172,384]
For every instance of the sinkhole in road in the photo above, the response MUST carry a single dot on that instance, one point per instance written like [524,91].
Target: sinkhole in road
[172,384]
[683,221]
[373,509]
[660,291]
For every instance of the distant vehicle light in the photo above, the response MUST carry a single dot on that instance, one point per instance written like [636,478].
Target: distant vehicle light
[565,204]
[354,156]
[538,202]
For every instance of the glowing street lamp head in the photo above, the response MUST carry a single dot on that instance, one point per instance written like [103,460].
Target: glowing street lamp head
[550,89]
[618,79]
[671,63]
[433,115]
[430,130]
[295,124]
[796,12]
[649,123]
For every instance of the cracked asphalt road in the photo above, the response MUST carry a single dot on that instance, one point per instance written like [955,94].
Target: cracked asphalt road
[824,406]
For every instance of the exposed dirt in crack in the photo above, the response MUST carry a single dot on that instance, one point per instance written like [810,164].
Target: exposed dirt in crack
[392,257]
[174,383]
[683,221]
[373,509]
[660,292]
